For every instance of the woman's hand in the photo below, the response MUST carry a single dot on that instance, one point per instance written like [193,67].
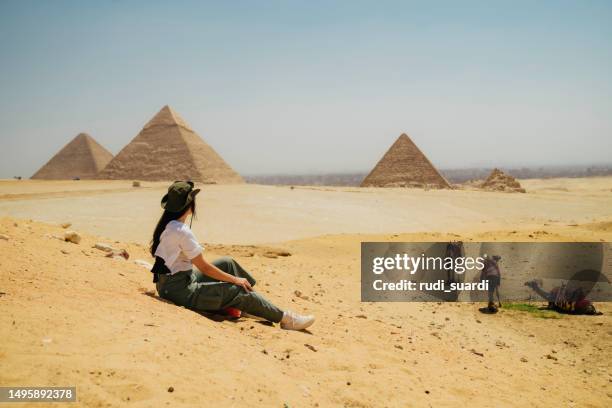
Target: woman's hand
[244,283]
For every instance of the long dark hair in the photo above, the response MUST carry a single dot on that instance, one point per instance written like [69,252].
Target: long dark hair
[165,218]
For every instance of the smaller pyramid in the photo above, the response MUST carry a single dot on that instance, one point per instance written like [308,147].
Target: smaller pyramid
[405,165]
[167,149]
[500,181]
[82,158]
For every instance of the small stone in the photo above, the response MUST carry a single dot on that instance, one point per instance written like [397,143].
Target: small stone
[103,247]
[66,225]
[71,236]
[501,344]
[170,389]
[4,237]
[477,353]
[311,347]
[122,254]
[63,251]
[54,236]
[297,293]
[523,359]
[144,264]
[348,383]
[135,183]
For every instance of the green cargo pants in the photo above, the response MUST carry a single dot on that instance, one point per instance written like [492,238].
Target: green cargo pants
[196,291]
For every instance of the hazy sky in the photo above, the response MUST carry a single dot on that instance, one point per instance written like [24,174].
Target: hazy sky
[312,86]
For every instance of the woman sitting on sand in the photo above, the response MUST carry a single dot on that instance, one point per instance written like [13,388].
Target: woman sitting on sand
[209,287]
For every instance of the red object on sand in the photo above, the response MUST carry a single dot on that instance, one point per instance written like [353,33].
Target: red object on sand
[232,312]
[582,303]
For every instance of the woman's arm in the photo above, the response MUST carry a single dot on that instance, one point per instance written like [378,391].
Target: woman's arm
[212,271]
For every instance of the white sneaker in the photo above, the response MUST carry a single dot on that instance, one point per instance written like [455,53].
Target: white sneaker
[294,321]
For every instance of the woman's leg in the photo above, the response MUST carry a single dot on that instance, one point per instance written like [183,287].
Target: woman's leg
[213,296]
[227,265]
[254,304]
[177,288]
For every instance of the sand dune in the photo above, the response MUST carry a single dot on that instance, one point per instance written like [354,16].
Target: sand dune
[79,318]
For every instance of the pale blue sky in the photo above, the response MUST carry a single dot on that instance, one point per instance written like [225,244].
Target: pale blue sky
[312,86]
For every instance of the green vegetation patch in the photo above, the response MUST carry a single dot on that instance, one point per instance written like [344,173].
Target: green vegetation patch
[535,310]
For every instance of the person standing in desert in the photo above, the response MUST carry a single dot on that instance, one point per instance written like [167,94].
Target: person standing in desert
[222,285]
[492,273]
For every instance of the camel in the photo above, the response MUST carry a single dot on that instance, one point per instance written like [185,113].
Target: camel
[564,299]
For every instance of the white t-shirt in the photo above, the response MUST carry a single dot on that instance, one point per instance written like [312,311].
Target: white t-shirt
[177,247]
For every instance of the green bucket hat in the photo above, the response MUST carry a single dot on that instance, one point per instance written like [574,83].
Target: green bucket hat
[180,195]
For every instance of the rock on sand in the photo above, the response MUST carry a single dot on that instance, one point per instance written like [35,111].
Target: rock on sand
[71,236]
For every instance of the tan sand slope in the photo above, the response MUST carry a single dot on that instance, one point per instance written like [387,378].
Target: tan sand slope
[404,165]
[82,157]
[73,317]
[168,149]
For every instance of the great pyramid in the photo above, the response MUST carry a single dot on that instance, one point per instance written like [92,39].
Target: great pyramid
[83,157]
[167,149]
[404,165]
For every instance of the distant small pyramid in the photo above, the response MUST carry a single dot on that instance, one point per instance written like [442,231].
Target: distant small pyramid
[167,149]
[500,181]
[404,165]
[82,158]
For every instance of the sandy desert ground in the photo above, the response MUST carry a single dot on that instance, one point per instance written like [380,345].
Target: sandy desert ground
[71,316]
